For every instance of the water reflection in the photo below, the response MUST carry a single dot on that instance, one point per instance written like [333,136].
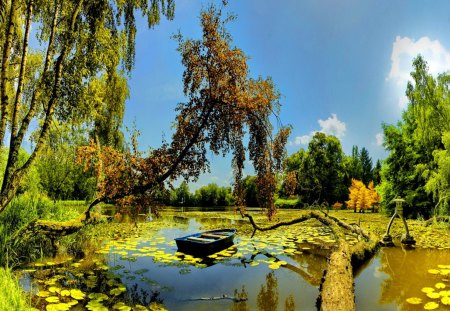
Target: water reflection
[397,274]
[267,299]
[407,272]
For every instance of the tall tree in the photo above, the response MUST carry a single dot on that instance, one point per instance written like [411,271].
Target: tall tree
[366,166]
[223,104]
[78,42]
[321,176]
[415,139]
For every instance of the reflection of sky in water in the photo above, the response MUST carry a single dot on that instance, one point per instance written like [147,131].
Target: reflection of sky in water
[179,282]
[149,262]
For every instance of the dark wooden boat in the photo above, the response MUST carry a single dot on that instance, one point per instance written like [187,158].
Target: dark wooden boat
[205,243]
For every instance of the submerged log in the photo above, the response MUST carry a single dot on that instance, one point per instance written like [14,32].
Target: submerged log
[337,290]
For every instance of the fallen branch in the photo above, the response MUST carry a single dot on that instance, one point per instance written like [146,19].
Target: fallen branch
[235,299]
[337,286]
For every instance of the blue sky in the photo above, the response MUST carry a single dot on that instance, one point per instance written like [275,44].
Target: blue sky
[341,66]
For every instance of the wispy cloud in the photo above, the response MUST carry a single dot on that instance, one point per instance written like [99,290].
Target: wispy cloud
[404,50]
[379,138]
[331,126]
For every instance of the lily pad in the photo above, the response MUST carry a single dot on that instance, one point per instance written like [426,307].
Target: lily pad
[98,296]
[427,290]
[54,289]
[65,293]
[431,305]
[445,300]
[77,294]
[440,285]
[95,305]
[52,299]
[433,295]
[414,300]
[433,271]
[117,291]
[43,294]
[121,306]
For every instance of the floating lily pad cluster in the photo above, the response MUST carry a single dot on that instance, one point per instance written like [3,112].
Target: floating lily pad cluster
[65,284]
[439,293]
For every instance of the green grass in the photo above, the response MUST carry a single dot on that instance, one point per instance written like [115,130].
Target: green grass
[11,295]
[288,203]
[19,213]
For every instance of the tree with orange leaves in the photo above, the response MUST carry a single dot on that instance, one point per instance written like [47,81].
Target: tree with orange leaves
[224,104]
[354,194]
[361,196]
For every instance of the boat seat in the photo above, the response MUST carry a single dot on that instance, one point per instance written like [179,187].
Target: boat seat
[212,235]
[193,238]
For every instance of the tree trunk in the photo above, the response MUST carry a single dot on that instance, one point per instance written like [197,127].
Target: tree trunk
[337,292]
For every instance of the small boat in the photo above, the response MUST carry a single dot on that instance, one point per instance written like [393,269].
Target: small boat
[206,243]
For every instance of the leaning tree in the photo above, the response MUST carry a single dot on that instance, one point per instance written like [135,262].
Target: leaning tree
[224,107]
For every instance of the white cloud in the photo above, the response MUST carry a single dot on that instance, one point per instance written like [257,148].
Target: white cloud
[379,138]
[404,50]
[403,102]
[331,126]
[303,140]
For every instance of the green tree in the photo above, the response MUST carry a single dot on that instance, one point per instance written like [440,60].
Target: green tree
[366,165]
[414,141]
[251,191]
[183,196]
[322,172]
[78,41]
[60,176]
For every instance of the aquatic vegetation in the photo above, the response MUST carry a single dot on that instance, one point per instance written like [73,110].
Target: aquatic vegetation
[13,298]
[436,293]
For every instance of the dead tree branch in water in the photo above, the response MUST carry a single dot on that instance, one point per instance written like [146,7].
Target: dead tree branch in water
[337,290]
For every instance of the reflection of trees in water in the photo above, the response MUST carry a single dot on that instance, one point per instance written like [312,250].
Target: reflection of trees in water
[267,299]
[240,300]
[140,296]
[407,272]
[208,221]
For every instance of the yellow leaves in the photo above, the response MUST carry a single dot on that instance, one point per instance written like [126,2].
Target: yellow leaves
[361,196]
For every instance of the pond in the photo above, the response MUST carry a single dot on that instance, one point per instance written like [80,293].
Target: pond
[283,267]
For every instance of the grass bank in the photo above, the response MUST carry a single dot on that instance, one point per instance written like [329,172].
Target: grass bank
[11,296]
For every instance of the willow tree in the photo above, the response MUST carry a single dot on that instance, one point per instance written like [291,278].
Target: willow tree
[78,42]
[224,104]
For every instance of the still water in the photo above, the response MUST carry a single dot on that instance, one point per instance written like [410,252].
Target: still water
[268,271]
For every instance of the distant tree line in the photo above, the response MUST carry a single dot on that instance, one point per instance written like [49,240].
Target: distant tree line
[210,195]
[323,173]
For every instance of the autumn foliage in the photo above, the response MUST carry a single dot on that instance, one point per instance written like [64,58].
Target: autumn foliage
[223,105]
[362,197]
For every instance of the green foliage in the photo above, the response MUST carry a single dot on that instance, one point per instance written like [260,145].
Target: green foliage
[213,195]
[60,176]
[251,191]
[20,212]
[416,167]
[31,182]
[11,295]
[288,203]
[439,181]
[321,173]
